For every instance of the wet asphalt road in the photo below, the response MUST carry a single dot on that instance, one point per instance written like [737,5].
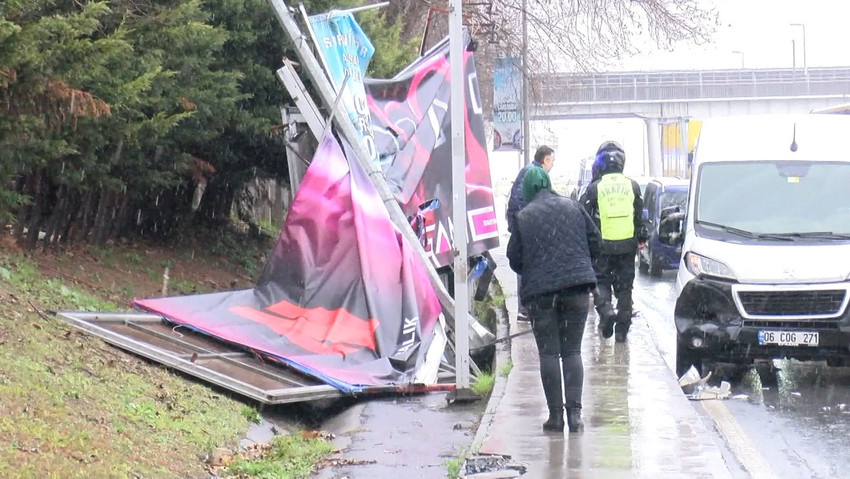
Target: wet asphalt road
[797,418]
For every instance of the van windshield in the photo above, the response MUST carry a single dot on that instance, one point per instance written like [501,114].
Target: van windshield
[775,198]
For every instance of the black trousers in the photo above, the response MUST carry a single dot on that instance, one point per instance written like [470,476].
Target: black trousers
[615,273]
[558,321]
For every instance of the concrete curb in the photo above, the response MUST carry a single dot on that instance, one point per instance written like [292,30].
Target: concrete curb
[500,382]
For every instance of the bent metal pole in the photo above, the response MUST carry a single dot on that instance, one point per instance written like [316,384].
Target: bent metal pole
[376,175]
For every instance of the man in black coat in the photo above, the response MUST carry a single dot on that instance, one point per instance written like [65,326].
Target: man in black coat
[553,246]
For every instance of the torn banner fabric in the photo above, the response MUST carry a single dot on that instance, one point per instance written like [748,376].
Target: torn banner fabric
[413,130]
[342,296]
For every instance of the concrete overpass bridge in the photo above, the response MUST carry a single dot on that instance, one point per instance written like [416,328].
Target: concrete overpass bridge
[663,97]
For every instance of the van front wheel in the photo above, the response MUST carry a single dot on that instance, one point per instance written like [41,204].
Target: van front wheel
[643,266]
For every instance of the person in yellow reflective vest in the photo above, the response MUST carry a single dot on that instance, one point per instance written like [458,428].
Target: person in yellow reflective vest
[615,204]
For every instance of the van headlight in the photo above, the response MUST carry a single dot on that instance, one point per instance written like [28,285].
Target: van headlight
[702,266]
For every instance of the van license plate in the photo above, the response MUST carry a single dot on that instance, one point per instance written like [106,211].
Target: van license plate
[789,338]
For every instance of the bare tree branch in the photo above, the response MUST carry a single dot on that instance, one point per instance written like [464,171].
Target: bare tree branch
[564,36]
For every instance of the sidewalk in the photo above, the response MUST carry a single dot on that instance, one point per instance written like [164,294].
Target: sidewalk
[637,421]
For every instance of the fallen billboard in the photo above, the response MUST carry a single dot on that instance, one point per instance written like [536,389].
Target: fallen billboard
[342,296]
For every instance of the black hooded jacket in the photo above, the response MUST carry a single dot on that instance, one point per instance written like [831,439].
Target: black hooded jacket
[553,246]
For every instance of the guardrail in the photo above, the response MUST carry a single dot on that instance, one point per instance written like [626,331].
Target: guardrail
[690,85]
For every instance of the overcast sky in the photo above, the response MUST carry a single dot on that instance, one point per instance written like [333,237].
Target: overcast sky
[761,30]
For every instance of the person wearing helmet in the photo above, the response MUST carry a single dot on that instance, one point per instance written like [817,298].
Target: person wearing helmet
[544,158]
[614,202]
[553,246]
[595,174]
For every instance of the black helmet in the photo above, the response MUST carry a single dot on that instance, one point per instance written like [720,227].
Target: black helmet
[596,170]
[611,157]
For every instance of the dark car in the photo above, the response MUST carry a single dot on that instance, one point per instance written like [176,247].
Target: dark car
[661,194]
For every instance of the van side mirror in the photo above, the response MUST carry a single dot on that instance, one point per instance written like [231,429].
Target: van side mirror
[670,226]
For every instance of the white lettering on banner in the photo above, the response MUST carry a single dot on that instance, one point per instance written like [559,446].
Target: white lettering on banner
[474,95]
[361,105]
[435,122]
[410,326]
[343,39]
[437,243]
[369,143]
[479,225]
[364,124]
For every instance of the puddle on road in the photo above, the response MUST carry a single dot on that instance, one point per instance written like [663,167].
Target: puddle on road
[799,390]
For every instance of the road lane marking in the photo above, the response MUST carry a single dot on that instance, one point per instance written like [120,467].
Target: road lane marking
[736,438]
[738,441]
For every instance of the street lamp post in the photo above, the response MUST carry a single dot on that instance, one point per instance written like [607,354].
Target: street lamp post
[742,57]
[526,121]
[805,65]
[794,56]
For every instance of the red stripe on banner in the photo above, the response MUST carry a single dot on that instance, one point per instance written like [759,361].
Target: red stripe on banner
[317,330]
[337,326]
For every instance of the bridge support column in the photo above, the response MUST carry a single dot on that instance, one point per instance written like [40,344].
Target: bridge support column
[653,141]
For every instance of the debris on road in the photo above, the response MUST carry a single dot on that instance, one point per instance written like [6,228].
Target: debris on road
[491,466]
[696,388]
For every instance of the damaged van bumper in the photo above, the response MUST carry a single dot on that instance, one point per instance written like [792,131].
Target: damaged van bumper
[726,321]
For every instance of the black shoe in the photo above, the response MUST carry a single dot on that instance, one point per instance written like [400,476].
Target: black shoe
[522,316]
[555,421]
[606,326]
[574,419]
[620,337]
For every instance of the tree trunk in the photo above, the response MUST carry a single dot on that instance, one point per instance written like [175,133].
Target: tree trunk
[119,224]
[57,217]
[74,201]
[83,224]
[24,210]
[34,224]
[101,218]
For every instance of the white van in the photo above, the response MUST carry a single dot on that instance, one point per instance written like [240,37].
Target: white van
[766,243]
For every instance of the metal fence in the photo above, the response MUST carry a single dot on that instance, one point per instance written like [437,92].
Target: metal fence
[689,85]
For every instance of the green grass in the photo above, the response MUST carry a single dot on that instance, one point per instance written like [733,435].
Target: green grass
[498,299]
[153,274]
[251,414]
[453,467]
[184,286]
[133,258]
[483,384]
[269,229]
[22,274]
[104,254]
[506,368]
[495,300]
[72,406]
[289,457]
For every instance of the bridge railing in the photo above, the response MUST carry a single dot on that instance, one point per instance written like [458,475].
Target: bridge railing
[690,85]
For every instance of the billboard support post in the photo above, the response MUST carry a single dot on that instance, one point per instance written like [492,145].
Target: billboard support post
[457,103]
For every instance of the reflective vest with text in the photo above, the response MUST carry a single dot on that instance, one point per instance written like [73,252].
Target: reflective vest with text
[616,198]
